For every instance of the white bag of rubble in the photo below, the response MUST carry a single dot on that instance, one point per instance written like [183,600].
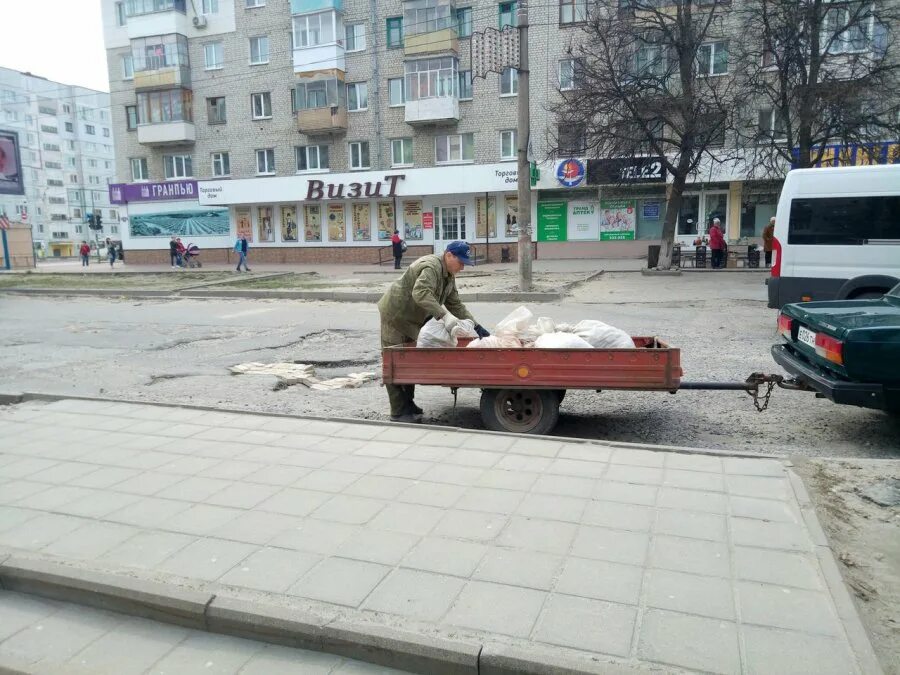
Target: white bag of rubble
[603,336]
[514,323]
[540,327]
[435,334]
[496,342]
[464,329]
[561,341]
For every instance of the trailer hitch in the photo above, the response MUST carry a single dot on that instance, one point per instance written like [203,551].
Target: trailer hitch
[751,385]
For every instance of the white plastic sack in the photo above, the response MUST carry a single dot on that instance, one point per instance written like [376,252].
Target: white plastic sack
[514,323]
[603,336]
[496,342]
[434,334]
[465,328]
[540,327]
[561,341]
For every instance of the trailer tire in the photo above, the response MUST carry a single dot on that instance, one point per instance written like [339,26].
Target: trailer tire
[520,411]
[560,394]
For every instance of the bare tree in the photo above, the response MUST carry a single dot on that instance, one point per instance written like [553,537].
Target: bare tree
[650,79]
[821,72]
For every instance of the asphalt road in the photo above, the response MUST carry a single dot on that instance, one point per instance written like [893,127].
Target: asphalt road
[178,351]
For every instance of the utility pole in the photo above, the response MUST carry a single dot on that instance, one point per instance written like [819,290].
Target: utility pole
[522,135]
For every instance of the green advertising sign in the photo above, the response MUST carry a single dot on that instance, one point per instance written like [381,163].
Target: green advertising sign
[551,221]
[617,219]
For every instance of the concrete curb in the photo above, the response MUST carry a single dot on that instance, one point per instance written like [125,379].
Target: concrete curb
[127,595]
[91,292]
[222,282]
[660,273]
[499,659]
[709,270]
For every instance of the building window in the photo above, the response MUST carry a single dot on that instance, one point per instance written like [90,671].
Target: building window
[464,21]
[853,40]
[569,74]
[395,91]
[772,125]
[311,30]
[107,165]
[311,157]
[213,56]
[261,105]
[431,78]
[105,132]
[401,152]
[120,13]
[571,140]
[131,117]
[173,105]
[259,50]
[90,130]
[359,155]
[712,59]
[508,144]
[221,164]
[128,67]
[321,94]
[76,213]
[357,96]
[69,162]
[509,82]
[572,11]
[427,16]
[113,214]
[73,178]
[70,127]
[139,169]
[507,12]
[71,145]
[160,51]
[215,110]
[394,32]
[178,166]
[356,37]
[265,162]
[92,163]
[249,4]
[454,148]
[209,7]
[465,85]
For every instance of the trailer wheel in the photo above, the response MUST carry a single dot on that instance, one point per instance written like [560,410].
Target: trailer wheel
[560,394]
[520,411]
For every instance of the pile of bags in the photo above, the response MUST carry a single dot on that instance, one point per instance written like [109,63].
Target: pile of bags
[518,330]
[521,329]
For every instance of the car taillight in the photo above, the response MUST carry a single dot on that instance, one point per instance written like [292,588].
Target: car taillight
[785,324]
[776,257]
[830,348]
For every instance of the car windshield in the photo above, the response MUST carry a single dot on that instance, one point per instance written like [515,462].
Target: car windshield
[894,292]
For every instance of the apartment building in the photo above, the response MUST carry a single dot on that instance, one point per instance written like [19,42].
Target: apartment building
[64,139]
[317,127]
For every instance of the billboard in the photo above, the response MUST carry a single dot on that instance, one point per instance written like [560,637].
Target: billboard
[193,223]
[10,164]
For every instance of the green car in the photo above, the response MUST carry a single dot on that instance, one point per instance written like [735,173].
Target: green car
[845,350]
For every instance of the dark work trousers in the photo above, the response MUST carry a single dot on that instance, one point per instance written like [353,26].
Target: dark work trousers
[768,255]
[397,259]
[400,395]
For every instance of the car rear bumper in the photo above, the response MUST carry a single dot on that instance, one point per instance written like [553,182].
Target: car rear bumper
[863,394]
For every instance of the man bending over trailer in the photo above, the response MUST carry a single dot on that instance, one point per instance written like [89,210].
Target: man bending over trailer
[427,289]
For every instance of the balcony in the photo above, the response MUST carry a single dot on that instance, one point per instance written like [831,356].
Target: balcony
[318,35]
[308,6]
[331,120]
[439,110]
[439,41]
[320,57]
[163,78]
[166,133]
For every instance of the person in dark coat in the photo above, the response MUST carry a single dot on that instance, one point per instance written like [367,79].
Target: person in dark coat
[397,246]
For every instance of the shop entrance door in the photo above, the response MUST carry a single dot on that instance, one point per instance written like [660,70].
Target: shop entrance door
[696,214]
[449,225]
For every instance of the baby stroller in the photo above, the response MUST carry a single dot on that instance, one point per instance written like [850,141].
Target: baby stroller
[191,256]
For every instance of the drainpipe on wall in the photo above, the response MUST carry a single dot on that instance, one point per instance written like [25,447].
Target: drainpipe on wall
[375,81]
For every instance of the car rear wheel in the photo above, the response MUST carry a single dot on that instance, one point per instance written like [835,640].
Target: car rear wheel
[520,411]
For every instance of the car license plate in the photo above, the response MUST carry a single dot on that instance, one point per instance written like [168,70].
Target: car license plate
[806,336]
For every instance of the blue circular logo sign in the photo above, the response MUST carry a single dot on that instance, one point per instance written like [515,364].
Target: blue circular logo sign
[570,172]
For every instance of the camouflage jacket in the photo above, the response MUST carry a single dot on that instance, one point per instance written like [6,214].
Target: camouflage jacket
[425,288]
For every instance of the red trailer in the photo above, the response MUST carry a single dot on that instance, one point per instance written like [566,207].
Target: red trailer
[522,388]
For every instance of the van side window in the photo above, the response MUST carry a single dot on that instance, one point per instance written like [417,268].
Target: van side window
[843,221]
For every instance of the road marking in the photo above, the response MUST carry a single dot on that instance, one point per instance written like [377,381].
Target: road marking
[249,312]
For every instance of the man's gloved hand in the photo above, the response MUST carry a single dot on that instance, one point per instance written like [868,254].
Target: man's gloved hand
[450,322]
[481,330]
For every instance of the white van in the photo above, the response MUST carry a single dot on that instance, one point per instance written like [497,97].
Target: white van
[837,234]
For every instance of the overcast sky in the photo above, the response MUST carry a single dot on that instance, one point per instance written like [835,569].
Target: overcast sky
[61,40]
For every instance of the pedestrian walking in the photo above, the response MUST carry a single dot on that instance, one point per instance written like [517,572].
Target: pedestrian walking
[397,246]
[768,237]
[111,252]
[241,248]
[179,252]
[173,251]
[85,253]
[717,244]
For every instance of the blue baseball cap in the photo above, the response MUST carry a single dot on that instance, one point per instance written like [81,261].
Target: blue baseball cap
[461,250]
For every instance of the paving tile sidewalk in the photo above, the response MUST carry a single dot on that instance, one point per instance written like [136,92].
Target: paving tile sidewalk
[699,562]
[47,637]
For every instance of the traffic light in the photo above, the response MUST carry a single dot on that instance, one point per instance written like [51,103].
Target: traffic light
[94,221]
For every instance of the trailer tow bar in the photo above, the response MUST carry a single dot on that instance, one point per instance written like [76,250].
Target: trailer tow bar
[751,385]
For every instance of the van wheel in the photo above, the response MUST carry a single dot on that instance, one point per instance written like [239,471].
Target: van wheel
[869,295]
